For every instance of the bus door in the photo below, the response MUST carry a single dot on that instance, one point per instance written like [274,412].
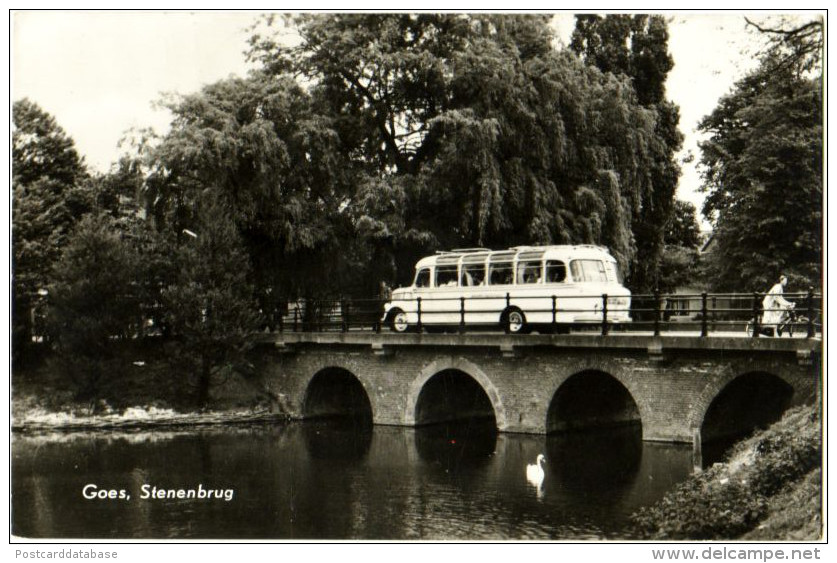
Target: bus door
[500,282]
[529,293]
[591,277]
[473,282]
[444,299]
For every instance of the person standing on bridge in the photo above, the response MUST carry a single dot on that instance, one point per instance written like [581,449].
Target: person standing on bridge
[775,305]
[384,291]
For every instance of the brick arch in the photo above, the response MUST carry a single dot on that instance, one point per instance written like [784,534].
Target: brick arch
[466,367]
[303,395]
[623,376]
[717,384]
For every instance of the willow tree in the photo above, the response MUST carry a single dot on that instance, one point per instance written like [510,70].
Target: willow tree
[278,165]
[472,130]
[636,47]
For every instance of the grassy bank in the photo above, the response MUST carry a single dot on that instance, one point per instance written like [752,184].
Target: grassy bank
[770,488]
[141,383]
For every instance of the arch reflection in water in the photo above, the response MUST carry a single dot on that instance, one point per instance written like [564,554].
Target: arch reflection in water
[458,445]
[594,460]
[457,425]
[345,439]
[597,471]
[292,482]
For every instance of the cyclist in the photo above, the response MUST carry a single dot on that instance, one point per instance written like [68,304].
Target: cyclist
[775,305]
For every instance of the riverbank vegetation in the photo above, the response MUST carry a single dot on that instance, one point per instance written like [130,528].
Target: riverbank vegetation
[140,387]
[770,487]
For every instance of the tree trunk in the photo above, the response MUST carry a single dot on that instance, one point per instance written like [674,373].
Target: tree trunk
[21,326]
[204,381]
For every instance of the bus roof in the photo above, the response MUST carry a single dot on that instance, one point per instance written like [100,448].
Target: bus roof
[548,252]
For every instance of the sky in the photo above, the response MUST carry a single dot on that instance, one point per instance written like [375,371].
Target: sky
[100,73]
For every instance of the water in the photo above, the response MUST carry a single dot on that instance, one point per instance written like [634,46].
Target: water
[319,480]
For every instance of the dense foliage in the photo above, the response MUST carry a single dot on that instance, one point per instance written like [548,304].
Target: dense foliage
[472,130]
[722,504]
[763,173]
[680,264]
[88,262]
[258,145]
[48,197]
[41,149]
[636,47]
[208,302]
[93,299]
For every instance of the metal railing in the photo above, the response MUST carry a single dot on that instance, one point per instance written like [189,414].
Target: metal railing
[702,314]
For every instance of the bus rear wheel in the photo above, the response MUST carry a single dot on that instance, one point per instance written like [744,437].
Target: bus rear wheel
[514,321]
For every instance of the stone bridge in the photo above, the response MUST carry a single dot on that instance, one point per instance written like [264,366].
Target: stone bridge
[679,388]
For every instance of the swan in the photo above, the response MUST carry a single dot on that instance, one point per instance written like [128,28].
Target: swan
[534,472]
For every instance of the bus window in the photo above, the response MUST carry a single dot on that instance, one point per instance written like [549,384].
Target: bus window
[423,278]
[556,271]
[473,274]
[446,276]
[528,272]
[613,273]
[588,270]
[500,273]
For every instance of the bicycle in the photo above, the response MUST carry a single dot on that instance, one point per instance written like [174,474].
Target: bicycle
[786,323]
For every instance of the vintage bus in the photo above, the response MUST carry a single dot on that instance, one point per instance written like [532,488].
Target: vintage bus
[519,289]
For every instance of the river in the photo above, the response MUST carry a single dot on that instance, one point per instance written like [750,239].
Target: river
[330,480]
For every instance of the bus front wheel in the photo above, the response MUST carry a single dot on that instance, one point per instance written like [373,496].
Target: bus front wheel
[514,321]
[398,321]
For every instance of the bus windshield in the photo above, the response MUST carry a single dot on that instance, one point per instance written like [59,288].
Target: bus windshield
[588,271]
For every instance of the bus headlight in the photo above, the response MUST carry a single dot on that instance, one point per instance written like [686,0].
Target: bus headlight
[617,303]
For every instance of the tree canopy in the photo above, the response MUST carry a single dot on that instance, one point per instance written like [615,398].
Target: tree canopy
[41,149]
[379,138]
[47,177]
[762,172]
[49,195]
[208,301]
[680,263]
[472,130]
[383,137]
[93,297]
[636,47]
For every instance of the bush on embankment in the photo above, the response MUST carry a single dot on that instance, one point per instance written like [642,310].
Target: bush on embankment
[731,499]
[141,373]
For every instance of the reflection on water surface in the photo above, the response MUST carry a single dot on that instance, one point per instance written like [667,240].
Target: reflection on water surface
[341,480]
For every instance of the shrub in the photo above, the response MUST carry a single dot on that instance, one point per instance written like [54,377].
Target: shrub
[724,503]
[703,509]
[785,456]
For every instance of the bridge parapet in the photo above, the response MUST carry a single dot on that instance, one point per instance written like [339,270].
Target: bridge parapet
[511,346]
